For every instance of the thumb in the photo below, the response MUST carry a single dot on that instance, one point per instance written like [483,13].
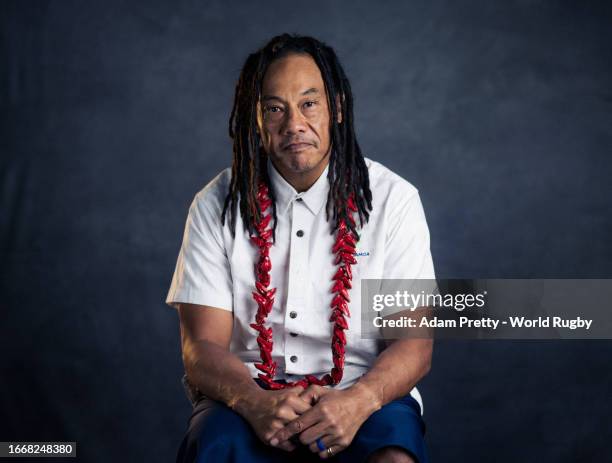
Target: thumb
[312,394]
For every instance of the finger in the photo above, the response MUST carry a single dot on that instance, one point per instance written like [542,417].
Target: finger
[328,441]
[299,405]
[291,409]
[330,451]
[286,414]
[312,393]
[296,390]
[288,446]
[310,435]
[298,425]
[270,433]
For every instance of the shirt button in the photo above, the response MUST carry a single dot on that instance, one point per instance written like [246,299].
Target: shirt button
[293,358]
[293,314]
[299,199]
[300,233]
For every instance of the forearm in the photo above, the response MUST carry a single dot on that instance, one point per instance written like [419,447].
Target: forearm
[396,371]
[220,375]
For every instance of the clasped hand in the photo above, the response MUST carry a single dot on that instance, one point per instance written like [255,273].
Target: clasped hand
[335,416]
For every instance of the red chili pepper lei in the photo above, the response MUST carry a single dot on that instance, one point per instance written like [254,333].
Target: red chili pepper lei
[343,248]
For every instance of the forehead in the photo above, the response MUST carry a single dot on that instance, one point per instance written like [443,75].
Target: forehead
[292,74]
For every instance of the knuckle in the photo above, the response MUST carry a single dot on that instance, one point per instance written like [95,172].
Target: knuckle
[297,390]
[280,411]
[276,425]
[297,426]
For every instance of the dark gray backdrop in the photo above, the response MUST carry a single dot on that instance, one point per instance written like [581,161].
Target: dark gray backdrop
[114,114]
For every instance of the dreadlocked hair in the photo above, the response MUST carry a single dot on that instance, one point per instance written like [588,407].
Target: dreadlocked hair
[347,173]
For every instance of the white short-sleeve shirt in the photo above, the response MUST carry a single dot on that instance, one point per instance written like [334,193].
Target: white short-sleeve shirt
[216,270]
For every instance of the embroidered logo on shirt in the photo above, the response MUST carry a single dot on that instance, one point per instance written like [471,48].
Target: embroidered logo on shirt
[362,253]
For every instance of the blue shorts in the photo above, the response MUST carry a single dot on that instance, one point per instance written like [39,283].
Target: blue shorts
[218,434]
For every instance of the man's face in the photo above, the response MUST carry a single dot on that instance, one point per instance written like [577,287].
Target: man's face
[294,119]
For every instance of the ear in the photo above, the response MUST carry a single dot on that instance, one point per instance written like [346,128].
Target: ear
[338,106]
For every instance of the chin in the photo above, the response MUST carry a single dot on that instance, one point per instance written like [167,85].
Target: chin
[298,163]
[300,166]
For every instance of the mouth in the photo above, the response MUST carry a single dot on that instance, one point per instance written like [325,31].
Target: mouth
[297,147]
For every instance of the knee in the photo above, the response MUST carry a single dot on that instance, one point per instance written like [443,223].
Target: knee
[223,427]
[213,435]
[390,454]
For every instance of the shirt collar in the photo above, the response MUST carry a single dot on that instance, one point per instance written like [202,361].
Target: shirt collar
[313,198]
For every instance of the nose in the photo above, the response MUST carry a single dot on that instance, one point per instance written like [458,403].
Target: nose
[294,122]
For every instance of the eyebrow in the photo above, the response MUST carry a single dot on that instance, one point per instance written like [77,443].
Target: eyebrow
[305,92]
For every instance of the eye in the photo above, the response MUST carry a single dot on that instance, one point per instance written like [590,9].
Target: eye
[310,104]
[272,109]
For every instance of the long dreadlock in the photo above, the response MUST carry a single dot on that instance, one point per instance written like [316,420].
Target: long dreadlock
[347,171]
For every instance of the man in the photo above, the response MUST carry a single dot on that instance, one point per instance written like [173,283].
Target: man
[267,282]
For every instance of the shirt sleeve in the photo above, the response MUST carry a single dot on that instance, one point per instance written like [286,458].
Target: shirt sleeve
[202,274]
[407,250]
